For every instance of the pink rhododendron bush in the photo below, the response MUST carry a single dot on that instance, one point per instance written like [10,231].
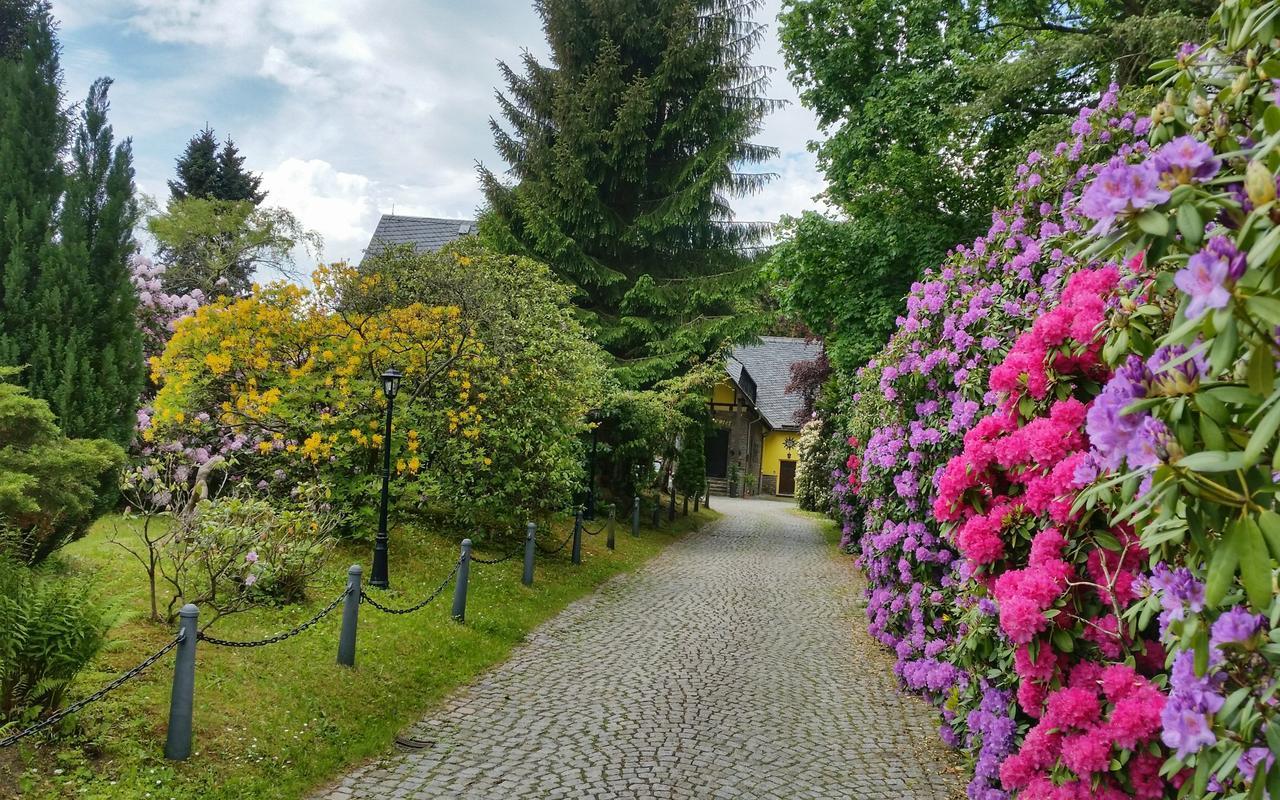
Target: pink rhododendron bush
[1063,469]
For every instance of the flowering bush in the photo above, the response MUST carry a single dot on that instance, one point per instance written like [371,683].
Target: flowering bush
[284,385]
[1067,491]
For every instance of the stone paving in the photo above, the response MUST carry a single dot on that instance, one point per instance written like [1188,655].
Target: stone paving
[733,665]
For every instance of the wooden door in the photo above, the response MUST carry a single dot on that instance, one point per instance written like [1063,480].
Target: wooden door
[787,478]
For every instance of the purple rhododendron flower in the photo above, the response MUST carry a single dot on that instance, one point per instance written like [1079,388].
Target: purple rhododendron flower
[1234,626]
[250,579]
[1204,281]
[1186,159]
[1147,447]
[1173,372]
[251,557]
[1110,430]
[1193,700]
[1121,189]
[1223,248]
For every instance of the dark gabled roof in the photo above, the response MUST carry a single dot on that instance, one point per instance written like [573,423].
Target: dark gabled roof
[768,366]
[426,234]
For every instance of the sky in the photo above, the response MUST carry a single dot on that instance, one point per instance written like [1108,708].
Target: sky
[350,108]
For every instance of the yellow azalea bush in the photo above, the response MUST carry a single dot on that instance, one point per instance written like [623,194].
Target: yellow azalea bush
[284,384]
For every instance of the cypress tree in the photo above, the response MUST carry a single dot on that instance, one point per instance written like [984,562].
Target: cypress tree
[66,302]
[625,150]
[33,133]
[94,372]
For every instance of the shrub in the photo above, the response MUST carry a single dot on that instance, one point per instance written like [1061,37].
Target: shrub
[51,487]
[50,628]
[813,472]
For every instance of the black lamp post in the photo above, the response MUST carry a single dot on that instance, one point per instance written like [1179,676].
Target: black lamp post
[390,387]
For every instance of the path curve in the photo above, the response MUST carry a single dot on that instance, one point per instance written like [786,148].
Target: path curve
[733,665]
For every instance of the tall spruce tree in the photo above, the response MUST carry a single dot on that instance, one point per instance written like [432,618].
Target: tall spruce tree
[66,302]
[625,151]
[210,173]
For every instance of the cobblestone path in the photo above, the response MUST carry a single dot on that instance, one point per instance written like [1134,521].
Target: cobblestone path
[733,665]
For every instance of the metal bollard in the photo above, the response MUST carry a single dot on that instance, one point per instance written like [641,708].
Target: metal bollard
[612,515]
[696,499]
[577,538]
[635,516]
[460,584]
[350,618]
[657,512]
[684,512]
[177,745]
[671,507]
[527,578]
[707,501]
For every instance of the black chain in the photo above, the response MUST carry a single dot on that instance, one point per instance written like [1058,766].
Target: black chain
[98,695]
[439,589]
[601,529]
[279,637]
[507,557]
[558,547]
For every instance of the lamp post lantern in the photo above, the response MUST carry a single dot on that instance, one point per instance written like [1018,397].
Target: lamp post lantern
[390,387]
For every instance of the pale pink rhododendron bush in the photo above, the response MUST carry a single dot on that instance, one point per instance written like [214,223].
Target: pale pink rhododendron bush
[1062,468]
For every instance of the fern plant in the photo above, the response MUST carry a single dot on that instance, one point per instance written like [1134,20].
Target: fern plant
[51,627]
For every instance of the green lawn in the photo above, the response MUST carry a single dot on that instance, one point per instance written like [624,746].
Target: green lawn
[274,722]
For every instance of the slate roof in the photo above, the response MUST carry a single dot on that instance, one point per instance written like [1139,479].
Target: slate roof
[426,234]
[769,365]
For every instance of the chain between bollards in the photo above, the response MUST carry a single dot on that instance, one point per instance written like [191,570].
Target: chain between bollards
[177,744]
[350,618]
[530,531]
[576,553]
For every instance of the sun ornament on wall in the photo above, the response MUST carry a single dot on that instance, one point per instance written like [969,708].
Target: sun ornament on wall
[789,443]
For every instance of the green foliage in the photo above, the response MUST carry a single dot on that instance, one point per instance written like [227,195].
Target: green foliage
[51,488]
[216,246]
[625,149]
[50,628]
[66,301]
[926,104]
[813,472]
[691,463]
[206,172]
[872,262]
[543,376]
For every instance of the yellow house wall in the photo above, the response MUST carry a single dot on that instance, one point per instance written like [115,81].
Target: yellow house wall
[723,393]
[775,451]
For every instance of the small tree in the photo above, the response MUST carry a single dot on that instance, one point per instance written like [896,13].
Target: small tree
[217,246]
[691,466]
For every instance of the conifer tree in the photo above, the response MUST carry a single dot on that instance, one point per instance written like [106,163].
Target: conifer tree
[625,151]
[93,372]
[33,132]
[210,173]
[66,302]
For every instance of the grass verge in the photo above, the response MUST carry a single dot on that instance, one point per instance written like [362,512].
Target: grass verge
[274,722]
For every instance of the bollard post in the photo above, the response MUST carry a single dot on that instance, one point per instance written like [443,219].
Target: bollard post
[577,537]
[657,512]
[707,501]
[684,512]
[177,745]
[671,507]
[696,499]
[350,618]
[460,584]
[635,516]
[527,577]
[612,515]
